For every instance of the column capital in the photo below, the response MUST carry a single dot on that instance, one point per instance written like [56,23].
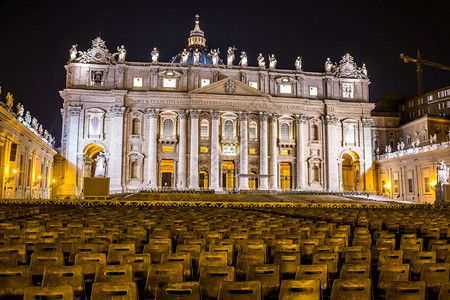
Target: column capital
[215,114]
[263,116]
[117,111]
[182,114]
[300,118]
[243,115]
[194,113]
[151,112]
[74,110]
[273,118]
[329,119]
[367,122]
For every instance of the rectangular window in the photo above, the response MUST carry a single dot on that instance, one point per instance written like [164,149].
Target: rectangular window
[411,103]
[252,133]
[420,101]
[13,152]
[252,151]
[411,114]
[204,82]
[426,183]
[441,105]
[313,91]
[285,88]
[137,81]
[167,149]
[442,114]
[253,84]
[203,149]
[430,98]
[383,186]
[204,131]
[448,104]
[285,151]
[347,90]
[396,186]
[410,186]
[169,83]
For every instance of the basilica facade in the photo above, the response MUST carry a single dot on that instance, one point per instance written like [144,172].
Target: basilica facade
[202,121]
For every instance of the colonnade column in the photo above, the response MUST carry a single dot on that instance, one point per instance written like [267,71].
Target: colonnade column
[193,158]
[115,151]
[243,162]
[214,185]
[152,148]
[273,152]
[181,183]
[369,184]
[263,151]
[332,160]
[301,141]
[70,186]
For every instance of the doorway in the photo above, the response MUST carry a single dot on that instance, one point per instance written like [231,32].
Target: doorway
[228,175]
[285,176]
[167,167]
[350,171]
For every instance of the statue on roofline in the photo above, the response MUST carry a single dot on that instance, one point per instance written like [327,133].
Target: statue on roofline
[121,52]
[27,119]
[155,55]
[328,66]
[230,56]
[272,62]
[261,61]
[214,57]
[9,101]
[196,56]
[184,57]
[298,64]
[244,60]
[73,52]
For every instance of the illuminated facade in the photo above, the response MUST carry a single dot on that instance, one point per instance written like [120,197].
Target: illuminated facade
[204,122]
[26,158]
[417,129]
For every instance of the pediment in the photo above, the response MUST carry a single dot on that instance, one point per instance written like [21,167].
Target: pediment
[229,86]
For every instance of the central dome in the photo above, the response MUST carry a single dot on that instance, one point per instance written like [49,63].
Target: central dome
[196,47]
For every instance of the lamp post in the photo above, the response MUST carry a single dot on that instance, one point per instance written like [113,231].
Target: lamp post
[11,178]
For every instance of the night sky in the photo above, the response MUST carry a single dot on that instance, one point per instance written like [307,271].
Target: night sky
[35,38]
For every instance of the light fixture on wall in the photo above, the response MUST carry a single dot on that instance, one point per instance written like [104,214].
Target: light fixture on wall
[11,178]
[37,182]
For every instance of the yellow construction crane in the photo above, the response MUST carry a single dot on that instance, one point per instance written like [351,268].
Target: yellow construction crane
[419,62]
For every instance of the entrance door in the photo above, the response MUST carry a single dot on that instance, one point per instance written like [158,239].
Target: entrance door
[285,176]
[253,182]
[228,175]
[203,180]
[350,171]
[167,172]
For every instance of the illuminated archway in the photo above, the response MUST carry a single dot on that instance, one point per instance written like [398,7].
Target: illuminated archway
[90,152]
[351,171]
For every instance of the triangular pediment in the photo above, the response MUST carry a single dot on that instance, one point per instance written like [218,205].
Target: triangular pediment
[229,86]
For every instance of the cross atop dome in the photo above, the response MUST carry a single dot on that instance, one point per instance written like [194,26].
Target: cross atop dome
[197,36]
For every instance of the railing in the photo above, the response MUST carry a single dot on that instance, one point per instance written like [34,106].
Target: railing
[412,151]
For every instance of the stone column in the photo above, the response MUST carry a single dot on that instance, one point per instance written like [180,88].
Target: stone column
[243,161]
[214,182]
[273,153]
[301,168]
[71,121]
[152,148]
[331,159]
[263,151]
[182,150]
[175,163]
[369,184]
[193,159]
[114,170]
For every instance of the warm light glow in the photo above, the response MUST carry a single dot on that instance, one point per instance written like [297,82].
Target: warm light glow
[204,149]
[53,180]
[387,186]
[252,150]
[137,82]
[284,151]
[39,177]
[167,149]
[285,88]
[14,171]
[204,82]
[253,84]
[433,183]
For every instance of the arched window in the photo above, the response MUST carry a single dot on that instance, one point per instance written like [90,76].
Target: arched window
[134,169]
[285,131]
[228,132]
[252,130]
[314,132]
[204,128]
[136,127]
[168,127]
[94,125]
[349,134]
